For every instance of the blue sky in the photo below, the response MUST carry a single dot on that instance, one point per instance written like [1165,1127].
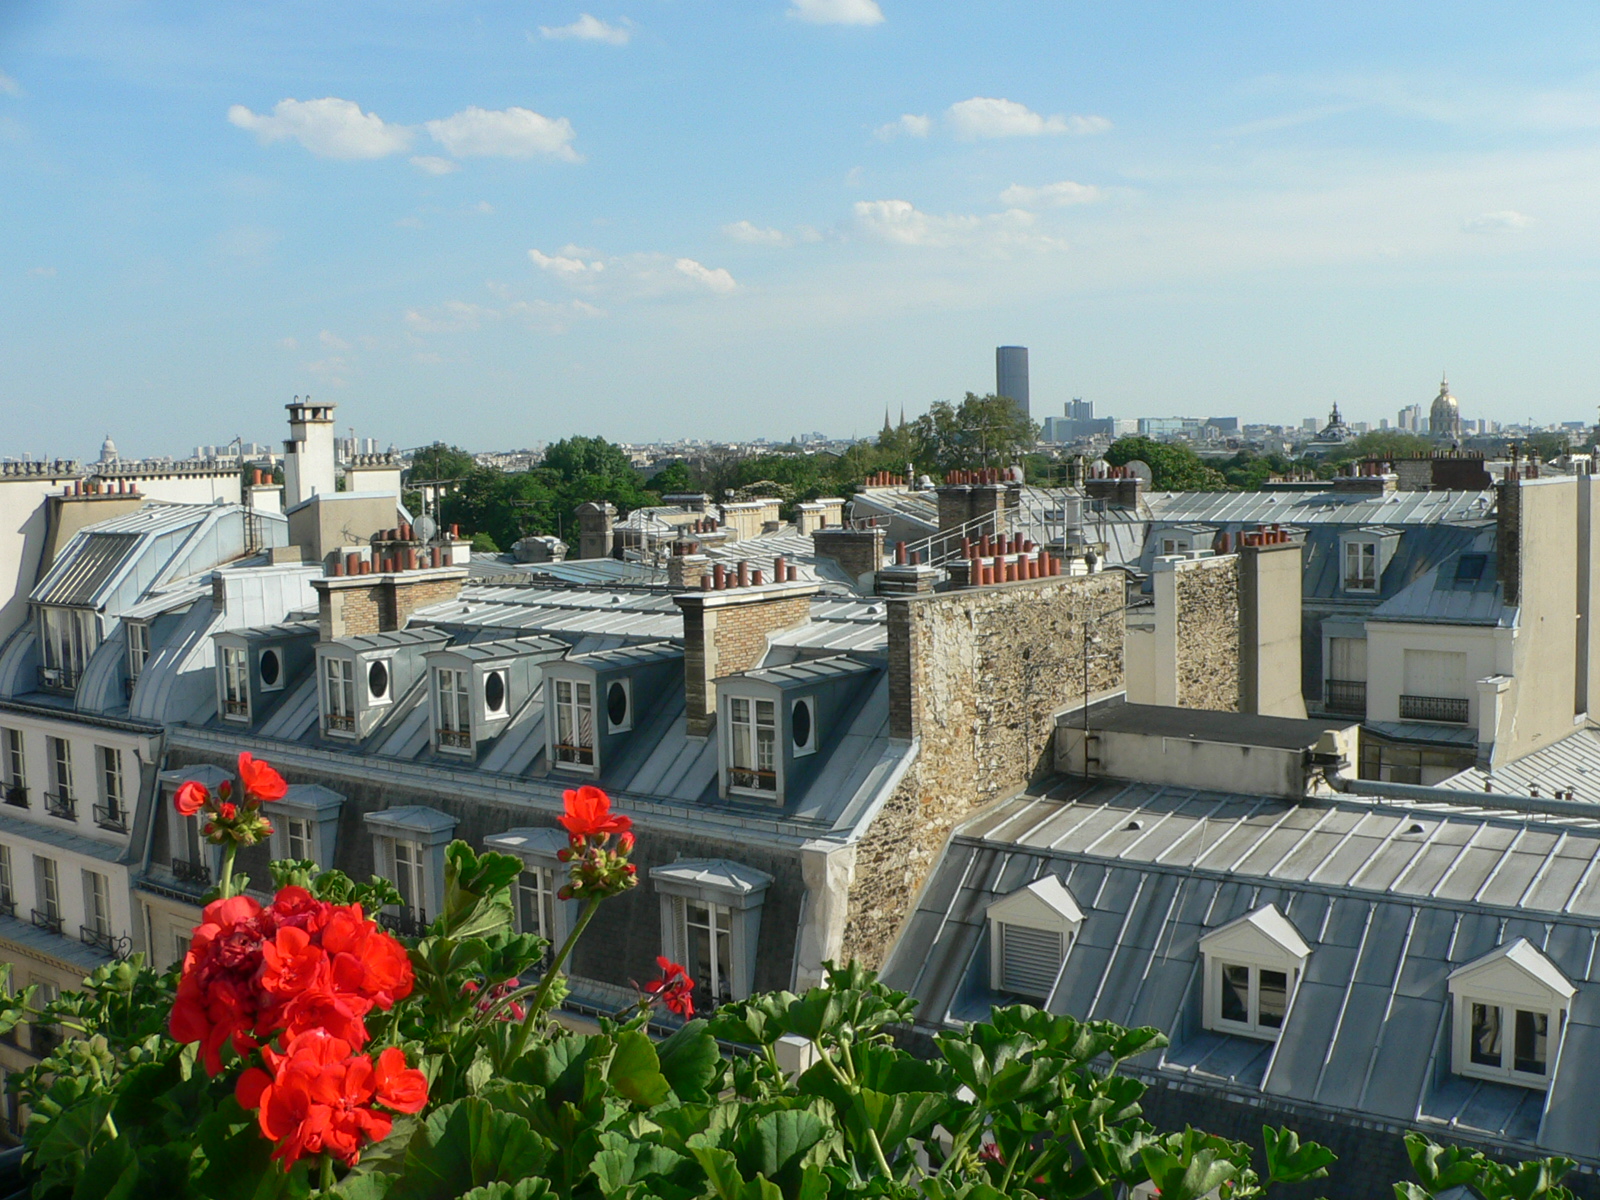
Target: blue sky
[502,223]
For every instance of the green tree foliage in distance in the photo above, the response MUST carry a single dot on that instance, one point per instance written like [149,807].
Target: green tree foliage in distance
[981,431]
[1381,443]
[1173,466]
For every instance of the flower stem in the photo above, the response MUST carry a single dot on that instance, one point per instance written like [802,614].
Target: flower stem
[228,851]
[536,1006]
[325,1184]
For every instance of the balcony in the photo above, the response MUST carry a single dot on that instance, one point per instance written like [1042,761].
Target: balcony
[49,922]
[58,679]
[335,723]
[582,756]
[101,939]
[8,907]
[17,795]
[1433,708]
[1345,696]
[185,871]
[112,817]
[758,781]
[59,804]
[236,709]
[408,922]
[459,738]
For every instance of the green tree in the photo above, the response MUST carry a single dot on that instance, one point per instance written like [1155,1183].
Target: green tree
[577,457]
[673,479]
[982,431]
[1381,443]
[439,461]
[1173,467]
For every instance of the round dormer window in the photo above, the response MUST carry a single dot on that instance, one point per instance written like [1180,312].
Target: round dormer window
[378,680]
[800,724]
[271,668]
[494,691]
[617,704]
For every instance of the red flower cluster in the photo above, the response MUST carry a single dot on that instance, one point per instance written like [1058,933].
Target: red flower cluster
[511,1012]
[318,1093]
[228,820]
[598,869]
[298,965]
[675,990]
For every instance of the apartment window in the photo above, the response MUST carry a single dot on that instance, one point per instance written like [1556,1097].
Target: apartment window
[297,830]
[67,638]
[409,877]
[339,688]
[496,692]
[180,947]
[235,684]
[113,810]
[1252,966]
[1509,1008]
[8,893]
[574,744]
[96,905]
[16,765]
[705,935]
[47,894]
[1361,566]
[1030,932]
[619,706]
[455,717]
[536,902]
[753,741]
[44,1036]
[803,726]
[61,800]
[138,648]
[408,844]
[710,922]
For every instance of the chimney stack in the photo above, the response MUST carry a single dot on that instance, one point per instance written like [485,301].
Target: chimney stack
[725,631]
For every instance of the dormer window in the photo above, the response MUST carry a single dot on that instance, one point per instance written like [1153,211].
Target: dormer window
[269,669]
[305,824]
[539,910]
[339,696]
[1508,1011]
[453,691]
[574,724]
[1360,566]
[67,639]
[1252,968]
[619,706]
[408,847]
[1030,932]
[138,648]
[803,725]
[752,745]
[235,685]
[496,693]
[379,682]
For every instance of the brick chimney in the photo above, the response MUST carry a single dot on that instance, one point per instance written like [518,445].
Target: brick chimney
[859,552]
[726,631]
[350,605]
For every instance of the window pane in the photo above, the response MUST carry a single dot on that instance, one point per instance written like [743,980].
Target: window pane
[1272,999]
[1533,1036]
[1236,994]
[1486,1035]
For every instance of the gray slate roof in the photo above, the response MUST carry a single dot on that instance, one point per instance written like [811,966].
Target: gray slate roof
[1461,590]
[1573,764]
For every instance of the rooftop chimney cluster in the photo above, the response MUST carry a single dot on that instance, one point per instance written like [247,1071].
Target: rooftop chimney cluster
[904,558]
[1112,473]
[100,487]
[881,479]
[397,549]
[984,475]
[1266,535]
[989,560]
[702,525]
[1520,470]
[724,578]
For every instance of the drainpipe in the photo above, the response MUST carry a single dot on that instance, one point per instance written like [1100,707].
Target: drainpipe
[1545,805]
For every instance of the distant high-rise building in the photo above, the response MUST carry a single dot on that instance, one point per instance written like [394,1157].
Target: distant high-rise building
[1011,375]
[1410,419]
[1078,409]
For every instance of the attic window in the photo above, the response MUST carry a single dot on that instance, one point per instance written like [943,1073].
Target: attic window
[619,706]
[752,734]
[378,682]
[1509,1008]
[573,745]
[1252,967]
[803,726]
[1469,567]
[1030,932]
[1361,566]
[269,668]
[494,694]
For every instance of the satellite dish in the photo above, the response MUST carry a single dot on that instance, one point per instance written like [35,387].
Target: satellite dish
[1142,469]
[425,527]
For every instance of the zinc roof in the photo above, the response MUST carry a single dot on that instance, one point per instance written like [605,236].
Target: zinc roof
[86,570]
[1572,764]
[1442,596]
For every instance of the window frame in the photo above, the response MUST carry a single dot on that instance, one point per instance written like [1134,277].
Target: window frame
[736,889]
[113,782]
[566,720]
[138,648]
[1252,1026]
[1513,979]
[1260,940]
[1366,553]
[342,709]
[47,886]
[97,902]
[61,766]
[745,742]
[235,670]
[8,878]
[452,689]
[16,758]
[307,835]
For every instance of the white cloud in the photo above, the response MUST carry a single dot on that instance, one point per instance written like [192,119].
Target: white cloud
[454,316]
[504,133]
[484,207]
[433,164]
[902,223]
[43,272]
[754,235]
[717,279]
[289,343]
[591,29]
[1496,222]
[9,86]
[333,371]
[909,124]
[565,264]
[332,340]
[1051,195]
[992,117]
[329,128]
[838,12]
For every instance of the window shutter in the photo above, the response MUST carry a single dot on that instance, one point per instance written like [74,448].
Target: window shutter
[1029,959]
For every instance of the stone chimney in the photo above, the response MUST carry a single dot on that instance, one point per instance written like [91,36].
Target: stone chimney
[262,495]
[725,631]
[1118,487]
[594,529]
[818,514]
[308,458]
[859,552]
[1270,581]
[350,605]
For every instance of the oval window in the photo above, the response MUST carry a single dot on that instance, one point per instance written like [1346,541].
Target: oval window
[494,691]
[800,723]
[378,680]
[269,668]
[617,703]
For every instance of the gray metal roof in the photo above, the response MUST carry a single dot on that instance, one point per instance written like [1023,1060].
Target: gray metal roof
[273,633]
[1424,732]
[1462,590]
[413,636]
[807,671]
[630,656]
[496,649]
[1572,764]
[1318,508]
[1391,897]
[81,576]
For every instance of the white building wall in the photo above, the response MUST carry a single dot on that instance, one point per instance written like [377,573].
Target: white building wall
[23,528]
[1387,642]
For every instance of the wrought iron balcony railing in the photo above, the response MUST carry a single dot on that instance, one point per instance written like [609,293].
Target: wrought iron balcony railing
[50,922]
[17,795]
[186,871]
[8,906]
[1433,708]
[59,804]
[455,737]
[1346,696]
[111,816]
[409,922]
[747,777]
[58,679]
[236,708]
[101,939]
[582,755]
[334,721]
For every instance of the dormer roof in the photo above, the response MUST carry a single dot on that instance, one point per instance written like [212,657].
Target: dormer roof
[1514,967]
[1263,933]
[1044,902]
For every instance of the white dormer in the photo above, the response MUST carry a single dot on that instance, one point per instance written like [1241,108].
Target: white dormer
[1253,966]
[1030,932]
[1364,556]
[1508,1011]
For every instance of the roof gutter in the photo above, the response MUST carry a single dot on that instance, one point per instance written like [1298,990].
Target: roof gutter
[1546,805]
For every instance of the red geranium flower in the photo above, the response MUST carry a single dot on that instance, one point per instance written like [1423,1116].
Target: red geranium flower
[260,780]
[674,989]
[191,798]
[589,814]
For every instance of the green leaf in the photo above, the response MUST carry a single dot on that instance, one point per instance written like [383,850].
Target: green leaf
[635,1071]
[111,1174]
[477,897]
[894,1119]
[468,1144]
[523,1189]
[772,1143]
[625,1162]
[1442,1167]
[691,1061]
[1290,1162]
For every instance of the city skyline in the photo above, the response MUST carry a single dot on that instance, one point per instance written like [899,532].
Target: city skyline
[502,224]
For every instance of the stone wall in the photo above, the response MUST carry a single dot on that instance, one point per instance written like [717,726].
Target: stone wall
[977,675]
[1206,613]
